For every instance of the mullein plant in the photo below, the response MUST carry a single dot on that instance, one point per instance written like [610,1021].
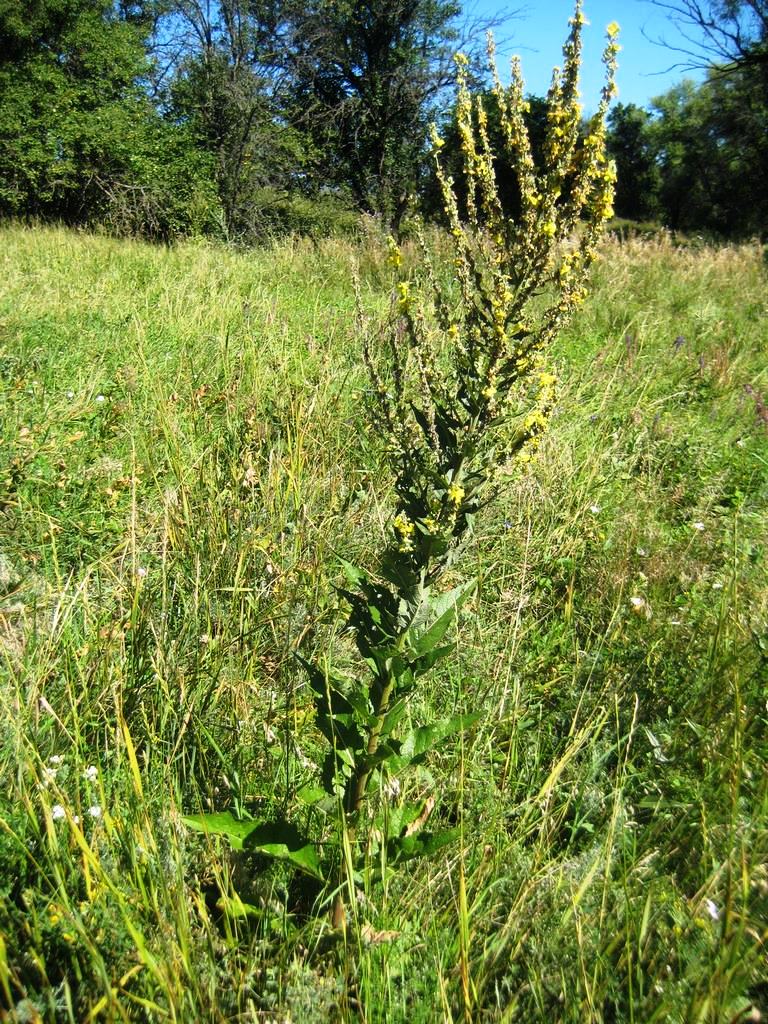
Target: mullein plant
[461,393]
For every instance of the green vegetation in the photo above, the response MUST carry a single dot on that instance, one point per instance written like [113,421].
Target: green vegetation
[182,466]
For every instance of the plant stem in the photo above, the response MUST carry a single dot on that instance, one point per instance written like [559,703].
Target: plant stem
[355,793]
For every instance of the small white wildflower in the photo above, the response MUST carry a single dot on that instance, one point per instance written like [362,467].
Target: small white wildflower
[100,398]
[712,910]
[142,571]
[91,773]
[75,819]
[643,552]
[56,759]
[49,774]
[675,622]
[717,586]
[637,602]
[70,395]
[698,526]
[594,509]
[204,638]
[58,812]
[95,811]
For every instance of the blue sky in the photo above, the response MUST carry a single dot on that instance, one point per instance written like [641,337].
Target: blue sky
[537,35]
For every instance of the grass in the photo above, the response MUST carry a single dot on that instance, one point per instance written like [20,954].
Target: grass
[183,460]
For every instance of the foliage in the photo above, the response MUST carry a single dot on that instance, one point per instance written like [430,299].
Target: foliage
[222,88]
[79,138]
[633,146]
[711,153]
[366,78]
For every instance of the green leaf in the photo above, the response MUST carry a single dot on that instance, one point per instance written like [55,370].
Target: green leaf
[427,661]
[277,839]
[234,907]
[283,841]
[311,794]
[397,819]
[222,823]
[353,574]
[419,742]
[442,611]
[423,844]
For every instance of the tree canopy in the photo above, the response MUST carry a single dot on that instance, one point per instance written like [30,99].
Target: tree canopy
[244,117]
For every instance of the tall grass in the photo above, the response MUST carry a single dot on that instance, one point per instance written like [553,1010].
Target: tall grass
[182,460]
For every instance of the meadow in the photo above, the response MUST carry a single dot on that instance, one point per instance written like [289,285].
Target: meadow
[184,463]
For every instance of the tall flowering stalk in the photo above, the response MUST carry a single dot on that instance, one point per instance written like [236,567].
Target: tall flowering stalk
[462,359]
[461,392]
[460,385]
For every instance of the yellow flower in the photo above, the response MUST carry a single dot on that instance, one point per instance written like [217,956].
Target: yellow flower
[403,525]
[455,494]
[437,142]
[612,30]
[548,229]
[403,296]
[395,257]
[535,420]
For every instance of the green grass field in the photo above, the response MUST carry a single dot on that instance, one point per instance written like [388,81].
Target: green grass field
[184,460]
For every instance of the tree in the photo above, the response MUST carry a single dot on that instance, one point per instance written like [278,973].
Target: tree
[227,86]
[79,138]
[367,75]
[67,78]
[712,155]
[632,145]
[728,33]
[718,132]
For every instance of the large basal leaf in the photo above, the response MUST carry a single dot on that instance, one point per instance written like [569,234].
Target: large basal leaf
[278,839]
[222,823]
[417,744]
[284,841]
[423,844]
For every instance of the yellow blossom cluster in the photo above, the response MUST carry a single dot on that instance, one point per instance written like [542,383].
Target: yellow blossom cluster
[469,357]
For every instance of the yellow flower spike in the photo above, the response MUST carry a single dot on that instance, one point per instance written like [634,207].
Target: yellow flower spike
[395,257]
[404,298]
[548,229]
[435,139]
